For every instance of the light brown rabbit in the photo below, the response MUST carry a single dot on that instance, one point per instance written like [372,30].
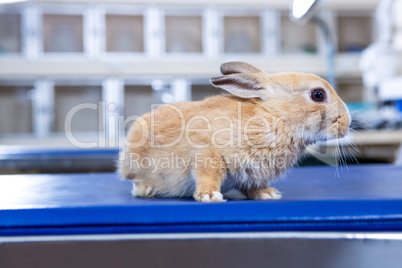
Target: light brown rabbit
[241,141]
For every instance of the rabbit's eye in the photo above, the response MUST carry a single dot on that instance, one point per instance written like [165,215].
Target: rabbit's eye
[318,95]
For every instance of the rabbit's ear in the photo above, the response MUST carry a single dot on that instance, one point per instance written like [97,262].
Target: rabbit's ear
[235,67]
[241,85]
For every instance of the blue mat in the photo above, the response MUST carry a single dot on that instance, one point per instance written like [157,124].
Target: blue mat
[16,152]
[365,197]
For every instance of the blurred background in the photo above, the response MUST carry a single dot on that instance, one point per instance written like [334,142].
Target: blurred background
[74,74]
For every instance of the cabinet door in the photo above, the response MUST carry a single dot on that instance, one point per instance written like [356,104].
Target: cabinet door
[15,109]
[10,33]
[183,34]
[85,119]
[242,34]
[124,33]
[63,33]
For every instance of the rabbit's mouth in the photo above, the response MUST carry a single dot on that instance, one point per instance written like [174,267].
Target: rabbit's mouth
[340,126]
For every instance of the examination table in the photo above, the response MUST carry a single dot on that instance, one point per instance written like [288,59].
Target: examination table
[328,217]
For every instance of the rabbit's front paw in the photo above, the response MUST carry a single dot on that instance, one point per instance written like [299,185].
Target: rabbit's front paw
[206,196]
[265,193]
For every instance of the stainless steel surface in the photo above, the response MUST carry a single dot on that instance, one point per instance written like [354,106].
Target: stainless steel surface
[206,250]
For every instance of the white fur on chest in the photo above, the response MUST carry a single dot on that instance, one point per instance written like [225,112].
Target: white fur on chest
[257,168]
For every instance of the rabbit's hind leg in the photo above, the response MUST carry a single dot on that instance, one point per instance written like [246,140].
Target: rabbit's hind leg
[263,193]
[142,189]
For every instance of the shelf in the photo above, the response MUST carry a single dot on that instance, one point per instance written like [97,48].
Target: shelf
[377,137]
[374,145]
[348,65]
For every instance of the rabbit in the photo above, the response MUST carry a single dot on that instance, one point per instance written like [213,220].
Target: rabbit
[243,140]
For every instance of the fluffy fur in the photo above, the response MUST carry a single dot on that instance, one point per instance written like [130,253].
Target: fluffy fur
[241,141]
